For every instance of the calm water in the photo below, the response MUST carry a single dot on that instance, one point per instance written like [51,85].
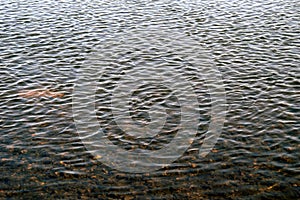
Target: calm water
[254,45]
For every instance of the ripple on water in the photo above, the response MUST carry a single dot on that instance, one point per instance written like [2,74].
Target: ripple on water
[254,44]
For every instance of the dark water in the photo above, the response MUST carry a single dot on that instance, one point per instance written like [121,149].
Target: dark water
[253,44]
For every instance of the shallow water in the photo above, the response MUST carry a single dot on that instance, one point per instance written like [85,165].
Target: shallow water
[254,45]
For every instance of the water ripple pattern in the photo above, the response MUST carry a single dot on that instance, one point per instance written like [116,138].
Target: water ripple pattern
[254,45]
[150,60]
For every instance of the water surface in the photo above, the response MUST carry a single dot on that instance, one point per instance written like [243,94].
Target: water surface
[254,45]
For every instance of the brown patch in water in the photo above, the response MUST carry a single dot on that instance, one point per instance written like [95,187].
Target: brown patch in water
[40,93]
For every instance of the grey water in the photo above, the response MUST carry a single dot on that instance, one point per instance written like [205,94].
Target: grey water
[253,44]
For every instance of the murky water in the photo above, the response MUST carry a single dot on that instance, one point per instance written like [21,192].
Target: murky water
[254,45]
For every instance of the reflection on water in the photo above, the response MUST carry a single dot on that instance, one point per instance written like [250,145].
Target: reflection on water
[254,44]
